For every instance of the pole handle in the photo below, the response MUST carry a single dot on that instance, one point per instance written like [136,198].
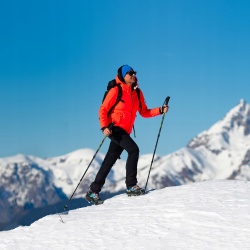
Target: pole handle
[166,101]
[111,125]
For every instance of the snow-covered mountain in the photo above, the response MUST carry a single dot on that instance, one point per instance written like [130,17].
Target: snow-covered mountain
[227,143]
[29,182]
[25,184]
[221,152]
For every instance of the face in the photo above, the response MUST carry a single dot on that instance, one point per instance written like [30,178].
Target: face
[130,77]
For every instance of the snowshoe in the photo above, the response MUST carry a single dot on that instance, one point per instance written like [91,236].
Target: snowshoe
[93,197]
[135,191]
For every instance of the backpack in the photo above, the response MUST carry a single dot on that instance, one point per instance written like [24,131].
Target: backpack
[113,84]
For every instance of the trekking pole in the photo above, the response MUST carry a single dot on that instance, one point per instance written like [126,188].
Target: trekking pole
[164,104]
[67,204]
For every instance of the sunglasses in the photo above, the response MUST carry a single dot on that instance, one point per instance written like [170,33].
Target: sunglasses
[132,73]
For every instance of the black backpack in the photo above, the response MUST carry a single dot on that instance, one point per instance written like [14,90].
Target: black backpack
[113,84]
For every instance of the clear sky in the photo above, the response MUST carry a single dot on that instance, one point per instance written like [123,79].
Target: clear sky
[56,58]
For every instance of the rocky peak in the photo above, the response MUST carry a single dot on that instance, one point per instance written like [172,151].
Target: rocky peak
[235,124]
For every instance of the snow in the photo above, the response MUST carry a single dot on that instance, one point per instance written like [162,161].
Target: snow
[205,215]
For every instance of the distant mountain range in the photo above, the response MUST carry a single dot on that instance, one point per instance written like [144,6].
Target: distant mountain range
[221,152]
[30,185]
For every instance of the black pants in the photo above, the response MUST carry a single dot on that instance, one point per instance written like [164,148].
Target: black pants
[120,140]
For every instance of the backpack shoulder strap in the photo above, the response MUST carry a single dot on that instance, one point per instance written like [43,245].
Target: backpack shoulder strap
[118,99]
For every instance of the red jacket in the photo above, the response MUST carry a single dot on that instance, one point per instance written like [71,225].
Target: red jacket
[124,113]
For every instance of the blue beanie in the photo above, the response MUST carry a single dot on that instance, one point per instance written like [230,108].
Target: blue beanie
[125,70]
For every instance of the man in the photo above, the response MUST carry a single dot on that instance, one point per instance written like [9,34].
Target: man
[122,116]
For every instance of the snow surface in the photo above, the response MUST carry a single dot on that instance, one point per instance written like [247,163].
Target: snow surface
[206,215]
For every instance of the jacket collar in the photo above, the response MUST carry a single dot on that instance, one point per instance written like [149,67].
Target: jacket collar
[133,87]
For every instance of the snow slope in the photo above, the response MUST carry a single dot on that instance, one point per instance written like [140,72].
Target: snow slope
[207,215]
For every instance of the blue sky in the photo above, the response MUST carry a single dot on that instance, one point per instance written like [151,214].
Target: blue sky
[57,57]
